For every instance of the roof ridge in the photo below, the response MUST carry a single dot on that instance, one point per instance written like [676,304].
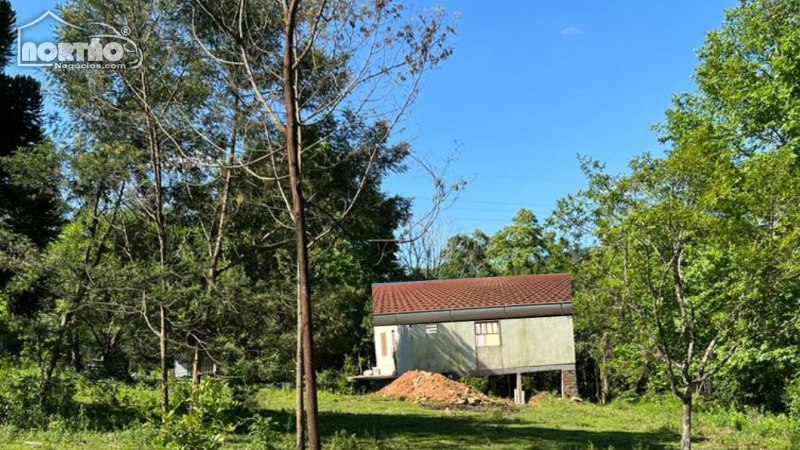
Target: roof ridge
[498,277]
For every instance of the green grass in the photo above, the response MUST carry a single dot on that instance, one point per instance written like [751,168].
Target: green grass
[368,421]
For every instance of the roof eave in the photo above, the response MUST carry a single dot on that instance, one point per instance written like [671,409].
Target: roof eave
[563,308]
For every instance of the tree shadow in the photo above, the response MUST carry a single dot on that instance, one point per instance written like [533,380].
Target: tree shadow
[465,431]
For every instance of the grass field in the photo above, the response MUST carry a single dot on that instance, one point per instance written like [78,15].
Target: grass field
[368,421]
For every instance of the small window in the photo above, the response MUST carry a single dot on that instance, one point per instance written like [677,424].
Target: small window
[487,334]
[432,328]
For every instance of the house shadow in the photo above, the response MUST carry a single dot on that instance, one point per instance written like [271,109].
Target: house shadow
[458,432]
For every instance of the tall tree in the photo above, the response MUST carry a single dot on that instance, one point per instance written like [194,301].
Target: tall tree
[465,256]
[749,74]
[29,198]
[31,210]
[332,61]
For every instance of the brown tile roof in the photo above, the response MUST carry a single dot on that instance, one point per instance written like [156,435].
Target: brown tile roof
[471,293]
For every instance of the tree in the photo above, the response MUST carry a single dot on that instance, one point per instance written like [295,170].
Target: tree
[312,78]
[466,256]
[201,143]
[518,249]
[687,244]
[675,252]
[748,76]
[422,258]
[526,247]
[30,205]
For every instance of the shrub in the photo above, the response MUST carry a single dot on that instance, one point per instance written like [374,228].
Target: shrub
[19,398]
[792,397]
[478,383]
[334,381]
[264,433]
[343,440]
[202,421]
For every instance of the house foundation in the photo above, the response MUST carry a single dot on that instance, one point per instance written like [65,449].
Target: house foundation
[569,384]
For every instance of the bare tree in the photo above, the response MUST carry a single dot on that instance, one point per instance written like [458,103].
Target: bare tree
[330,58]
[422,257]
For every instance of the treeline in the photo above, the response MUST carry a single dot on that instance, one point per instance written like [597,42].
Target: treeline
[158,221]
[686,267]
[157,224]
[690,278]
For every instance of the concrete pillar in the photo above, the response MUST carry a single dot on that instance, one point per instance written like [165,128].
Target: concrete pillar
[519,392]
[569,384]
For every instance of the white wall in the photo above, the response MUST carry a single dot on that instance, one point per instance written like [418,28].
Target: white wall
[525,343]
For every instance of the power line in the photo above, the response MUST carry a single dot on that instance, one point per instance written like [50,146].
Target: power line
[487,202]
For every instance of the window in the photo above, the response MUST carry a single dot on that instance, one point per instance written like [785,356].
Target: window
[487,334]
[432,328]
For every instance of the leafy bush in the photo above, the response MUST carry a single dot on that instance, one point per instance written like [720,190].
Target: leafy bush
[478,383]
[792,397]
[246,397]
[343,440]
[263,431]
[334,381]
[19,398]
[202,421]
[114,405]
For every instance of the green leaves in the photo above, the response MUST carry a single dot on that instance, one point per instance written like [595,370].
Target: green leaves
[695,251]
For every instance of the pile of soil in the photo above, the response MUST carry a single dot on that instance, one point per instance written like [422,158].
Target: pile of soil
[421,386]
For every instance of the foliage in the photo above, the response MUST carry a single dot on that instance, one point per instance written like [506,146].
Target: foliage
[522,248]
[263,431]
[649,422]
[342,440]
[333,381]
[525,247]
[29,171]
[480,384]
[19,399]
[201,422]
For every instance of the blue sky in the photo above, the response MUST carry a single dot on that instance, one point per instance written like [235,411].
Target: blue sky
[532,85]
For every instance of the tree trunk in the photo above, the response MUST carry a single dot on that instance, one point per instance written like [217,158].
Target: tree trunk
[686,429]
[75,351]
[216,253]
[300,440]
[55,355]
[298,211]
[196,367]
[156,158]
[162,343]
[605,388]
[605,384]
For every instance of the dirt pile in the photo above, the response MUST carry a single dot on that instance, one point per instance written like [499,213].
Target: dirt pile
[424,386]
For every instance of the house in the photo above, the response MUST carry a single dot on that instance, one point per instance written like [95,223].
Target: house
[183,367]
[479,326]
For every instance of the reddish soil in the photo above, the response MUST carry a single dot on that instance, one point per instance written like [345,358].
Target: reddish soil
[423,386]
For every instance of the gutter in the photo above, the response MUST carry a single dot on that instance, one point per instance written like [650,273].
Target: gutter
[471,314]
